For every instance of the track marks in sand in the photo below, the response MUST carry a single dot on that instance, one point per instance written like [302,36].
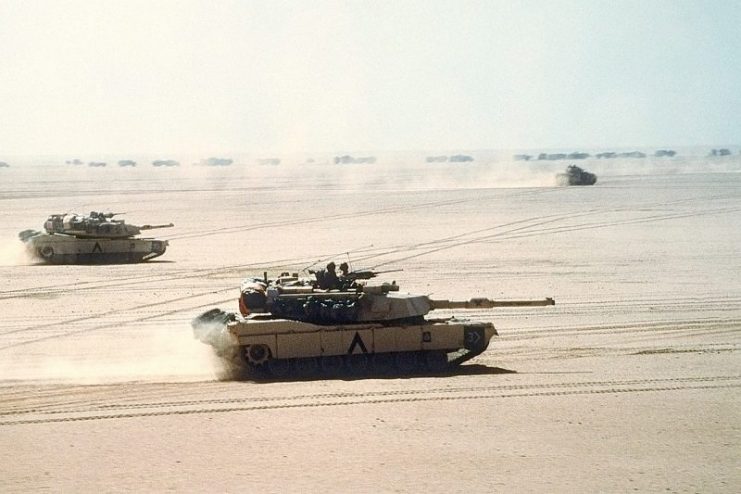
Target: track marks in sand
[533,226]
[63,327]
[536,226]
[64,411]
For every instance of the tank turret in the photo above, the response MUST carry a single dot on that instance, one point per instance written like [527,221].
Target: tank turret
[95,225]
[352,302]
[96,238]
[300,324]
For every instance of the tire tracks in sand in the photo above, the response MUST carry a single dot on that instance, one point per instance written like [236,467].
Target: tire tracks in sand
[115,411]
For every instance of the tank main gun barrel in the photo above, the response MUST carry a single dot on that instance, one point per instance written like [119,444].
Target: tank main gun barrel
[485,303]
[152,227]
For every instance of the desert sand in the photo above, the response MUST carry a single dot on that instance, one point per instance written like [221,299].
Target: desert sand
[632,382]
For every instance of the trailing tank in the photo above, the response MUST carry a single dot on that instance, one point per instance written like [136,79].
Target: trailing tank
[293,326]
[96,238]
[576,176]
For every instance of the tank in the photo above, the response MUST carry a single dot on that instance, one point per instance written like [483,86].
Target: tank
[97,238]
[576,176]
[292,326]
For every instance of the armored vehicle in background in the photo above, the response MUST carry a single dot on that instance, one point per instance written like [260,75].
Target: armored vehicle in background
[165,163]
[215,162]
[291,326]
[93,239]
[576,176]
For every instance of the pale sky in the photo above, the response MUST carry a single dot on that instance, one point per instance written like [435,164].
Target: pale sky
[204,77]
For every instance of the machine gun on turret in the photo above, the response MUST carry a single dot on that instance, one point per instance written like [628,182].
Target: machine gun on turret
[350,280]
[327,279]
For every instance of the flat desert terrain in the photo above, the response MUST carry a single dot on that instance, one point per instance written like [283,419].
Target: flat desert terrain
[630,383]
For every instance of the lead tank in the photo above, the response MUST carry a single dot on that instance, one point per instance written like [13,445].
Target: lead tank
[96,238]
[290,326]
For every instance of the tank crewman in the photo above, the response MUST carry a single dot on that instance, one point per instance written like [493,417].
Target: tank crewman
[331,281]
[346,281]
[327,279]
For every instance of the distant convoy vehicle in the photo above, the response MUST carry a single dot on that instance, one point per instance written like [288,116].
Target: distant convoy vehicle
[347,160]
[341,324]
[578,155]
[166,163]
[93,239]
[456,158]
[460,158]
[436,159]
[215,162]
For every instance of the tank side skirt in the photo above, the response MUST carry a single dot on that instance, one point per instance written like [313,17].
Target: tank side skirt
[316,341]
[65,249]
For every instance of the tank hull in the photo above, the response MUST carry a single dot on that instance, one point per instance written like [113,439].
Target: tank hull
[281,347]
[67,249]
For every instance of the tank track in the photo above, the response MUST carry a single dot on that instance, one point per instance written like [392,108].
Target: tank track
[457,358]
[357,365]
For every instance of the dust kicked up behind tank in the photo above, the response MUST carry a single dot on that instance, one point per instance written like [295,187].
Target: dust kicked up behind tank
[343,325]
[96,238]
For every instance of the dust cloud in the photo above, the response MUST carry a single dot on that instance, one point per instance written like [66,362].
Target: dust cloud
[13,252]
[162,355]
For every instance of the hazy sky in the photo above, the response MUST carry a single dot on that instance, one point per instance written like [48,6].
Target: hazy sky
[92,76]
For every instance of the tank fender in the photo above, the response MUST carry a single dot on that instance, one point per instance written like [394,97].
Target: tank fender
[476,336]
[210,327]
[27,235]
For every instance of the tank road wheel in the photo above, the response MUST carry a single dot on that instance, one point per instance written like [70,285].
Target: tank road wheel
[306,366]
[279,367]
[257,354]
[47,252]
[436,360]
[383,363]
[358,364]
[332,364]
[406,362]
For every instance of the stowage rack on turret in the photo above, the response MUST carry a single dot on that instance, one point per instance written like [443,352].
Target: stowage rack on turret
[291,326]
